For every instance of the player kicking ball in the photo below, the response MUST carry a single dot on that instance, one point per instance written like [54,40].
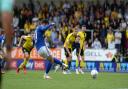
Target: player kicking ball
[42,49]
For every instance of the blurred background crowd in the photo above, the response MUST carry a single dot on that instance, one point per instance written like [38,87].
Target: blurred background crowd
[106,23]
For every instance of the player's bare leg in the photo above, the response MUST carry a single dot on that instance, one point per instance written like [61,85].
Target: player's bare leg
[81,65]
[23,65]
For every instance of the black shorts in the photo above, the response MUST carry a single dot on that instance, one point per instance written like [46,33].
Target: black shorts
[82,52]
[26,51]
[66,53]
[77,47]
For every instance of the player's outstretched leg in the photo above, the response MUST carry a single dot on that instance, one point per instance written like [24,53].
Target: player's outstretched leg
[57,61]
[49,64]
[22,66]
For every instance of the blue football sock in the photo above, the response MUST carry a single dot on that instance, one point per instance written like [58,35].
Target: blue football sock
[3,63]
[69,64]
[57,61]
[48,66]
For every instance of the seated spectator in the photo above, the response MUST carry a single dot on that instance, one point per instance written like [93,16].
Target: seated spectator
[118,37]
[126,14]
[47,42]
[123,24]
[106,20]
[111,45]
[53,36]
[35,19]
[33,24]
[96,44]
[103,33]
[48,37]
[126,42]
[27,27]
[15,22]
[110,36]
[57,41]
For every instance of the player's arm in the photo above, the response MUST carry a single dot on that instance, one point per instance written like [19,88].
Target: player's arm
[79,51]
[79,48]
[43,28]
[66,46]
[84,45]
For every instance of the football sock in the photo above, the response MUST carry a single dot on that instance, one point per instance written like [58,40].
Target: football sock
[48,66]
[69,64]
[82,64]
[77,63]
[57,61]
[3,63]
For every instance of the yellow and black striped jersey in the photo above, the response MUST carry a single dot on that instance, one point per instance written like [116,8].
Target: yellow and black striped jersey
[69,40]
[28,44]
[82,38]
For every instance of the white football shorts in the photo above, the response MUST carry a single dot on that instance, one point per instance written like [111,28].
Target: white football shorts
[44,52]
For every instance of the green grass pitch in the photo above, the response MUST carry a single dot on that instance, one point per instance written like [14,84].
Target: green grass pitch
[34,80]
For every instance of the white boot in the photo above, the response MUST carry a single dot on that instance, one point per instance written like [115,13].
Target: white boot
[77,72]
[47,77]
[64,72]
[81,71]
[68,72]
[57,68]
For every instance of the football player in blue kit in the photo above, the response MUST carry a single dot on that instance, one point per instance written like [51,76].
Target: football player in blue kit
[43,49]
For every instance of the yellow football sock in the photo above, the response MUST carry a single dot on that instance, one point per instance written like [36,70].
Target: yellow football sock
[66,61]
[82,63]
[77,63]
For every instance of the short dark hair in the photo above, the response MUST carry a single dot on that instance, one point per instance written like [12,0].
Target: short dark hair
[45,21]
[84,25]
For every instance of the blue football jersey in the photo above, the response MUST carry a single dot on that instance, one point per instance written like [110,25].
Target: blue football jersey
[39,35]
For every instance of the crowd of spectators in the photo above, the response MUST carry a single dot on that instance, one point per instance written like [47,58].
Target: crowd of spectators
[107,21]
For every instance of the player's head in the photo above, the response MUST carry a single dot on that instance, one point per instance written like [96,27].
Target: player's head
[83,27]
[44,22]
[77,38]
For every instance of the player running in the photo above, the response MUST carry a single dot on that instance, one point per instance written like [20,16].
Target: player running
[68,49]
[80,60]
[26,48]
[43,49]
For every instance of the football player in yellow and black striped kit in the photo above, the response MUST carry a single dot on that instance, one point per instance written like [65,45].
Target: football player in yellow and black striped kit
[27,46]
[80,60]
[68,48]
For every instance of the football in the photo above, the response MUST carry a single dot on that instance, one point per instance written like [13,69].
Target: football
[94,73]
